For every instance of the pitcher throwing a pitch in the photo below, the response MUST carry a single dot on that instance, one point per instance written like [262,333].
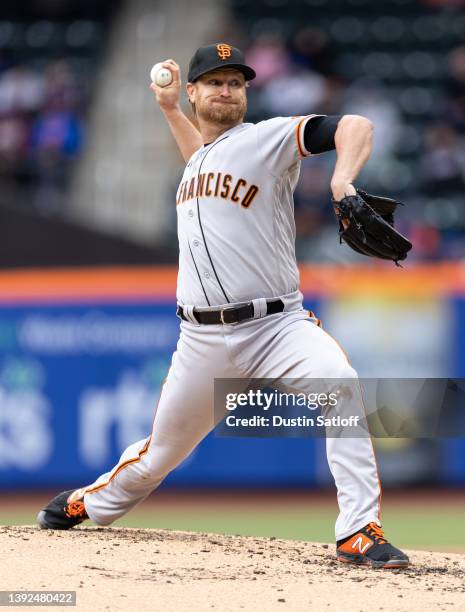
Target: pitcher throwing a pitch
[238,294]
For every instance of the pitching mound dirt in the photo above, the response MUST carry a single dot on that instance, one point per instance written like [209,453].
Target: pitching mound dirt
[140,569]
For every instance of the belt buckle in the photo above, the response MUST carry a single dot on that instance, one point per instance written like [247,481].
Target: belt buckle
[222,311]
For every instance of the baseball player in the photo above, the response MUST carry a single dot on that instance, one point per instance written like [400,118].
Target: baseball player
[238,295]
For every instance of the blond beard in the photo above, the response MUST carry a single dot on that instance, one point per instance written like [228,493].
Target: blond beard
[225,114]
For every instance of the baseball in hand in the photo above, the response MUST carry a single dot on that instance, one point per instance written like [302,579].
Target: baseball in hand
[161,76]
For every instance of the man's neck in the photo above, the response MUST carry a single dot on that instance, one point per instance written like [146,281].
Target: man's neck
[211,131]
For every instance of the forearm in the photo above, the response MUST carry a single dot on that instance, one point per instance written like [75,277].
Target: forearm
[185,133]
[353,140]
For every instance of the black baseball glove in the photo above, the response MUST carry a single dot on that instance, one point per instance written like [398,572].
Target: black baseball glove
[366,224]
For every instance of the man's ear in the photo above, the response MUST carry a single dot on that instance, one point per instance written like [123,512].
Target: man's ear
[190,92]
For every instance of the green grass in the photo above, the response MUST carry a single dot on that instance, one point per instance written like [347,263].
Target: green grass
[416,527]
[297,524]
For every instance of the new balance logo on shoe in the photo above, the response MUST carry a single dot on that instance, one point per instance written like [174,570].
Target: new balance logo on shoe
[361,546]
[369,547]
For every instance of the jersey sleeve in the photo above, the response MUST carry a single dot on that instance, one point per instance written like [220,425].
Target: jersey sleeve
[281,142]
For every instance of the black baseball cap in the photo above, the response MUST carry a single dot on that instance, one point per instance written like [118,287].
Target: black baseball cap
[214,57]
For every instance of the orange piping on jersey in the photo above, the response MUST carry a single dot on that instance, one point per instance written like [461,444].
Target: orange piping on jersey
[134,459]
[121,467]
[297,135]
[310,314]
[340,347]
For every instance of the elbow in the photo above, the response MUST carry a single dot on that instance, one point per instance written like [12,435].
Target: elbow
[361,124]
[354,127]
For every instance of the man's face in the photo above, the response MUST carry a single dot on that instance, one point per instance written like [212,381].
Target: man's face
[219,96]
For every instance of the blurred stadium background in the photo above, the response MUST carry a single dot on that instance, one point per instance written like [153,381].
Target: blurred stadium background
[88,248]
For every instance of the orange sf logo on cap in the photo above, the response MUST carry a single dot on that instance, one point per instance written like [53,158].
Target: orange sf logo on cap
[224,51]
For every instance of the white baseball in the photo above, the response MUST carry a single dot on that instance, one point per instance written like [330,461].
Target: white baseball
[161,76]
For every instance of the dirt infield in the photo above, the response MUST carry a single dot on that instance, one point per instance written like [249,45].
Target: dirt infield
[126,569]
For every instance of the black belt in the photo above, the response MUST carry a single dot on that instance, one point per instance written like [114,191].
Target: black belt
[230,314]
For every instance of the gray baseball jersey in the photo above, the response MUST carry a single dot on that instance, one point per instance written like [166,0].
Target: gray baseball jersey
[235,210]
[236,236]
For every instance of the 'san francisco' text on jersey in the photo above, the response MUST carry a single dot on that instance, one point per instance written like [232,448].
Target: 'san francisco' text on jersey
[217,185]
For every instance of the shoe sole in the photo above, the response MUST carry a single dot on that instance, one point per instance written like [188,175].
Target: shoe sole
[367,562]
[41,520]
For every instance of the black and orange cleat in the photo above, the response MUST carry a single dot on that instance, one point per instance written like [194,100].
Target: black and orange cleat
[66,510]
[369,547]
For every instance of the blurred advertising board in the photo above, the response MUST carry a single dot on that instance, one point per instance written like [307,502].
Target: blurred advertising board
[83,354]
[81,368]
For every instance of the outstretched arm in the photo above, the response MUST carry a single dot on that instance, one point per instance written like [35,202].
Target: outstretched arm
[185,133]
[353,139]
